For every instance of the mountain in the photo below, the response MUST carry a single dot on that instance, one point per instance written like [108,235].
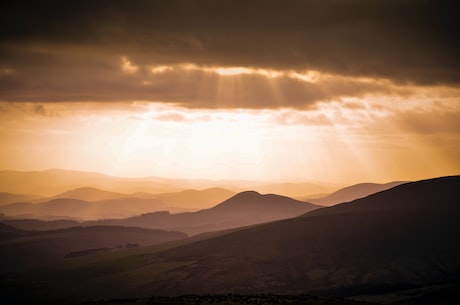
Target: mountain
[246,208]
[267,205]
[353,192]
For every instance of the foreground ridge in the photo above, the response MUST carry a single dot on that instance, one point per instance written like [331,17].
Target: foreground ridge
[232,299]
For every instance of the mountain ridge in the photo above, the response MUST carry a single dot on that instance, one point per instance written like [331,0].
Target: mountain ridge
[353,192]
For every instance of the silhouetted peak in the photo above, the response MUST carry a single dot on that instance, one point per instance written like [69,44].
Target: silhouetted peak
[241,199]
[246,195]
[86,189]
[254,200]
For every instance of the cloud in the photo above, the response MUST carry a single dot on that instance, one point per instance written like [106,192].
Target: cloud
[47,75]
[226,54]
[407,40]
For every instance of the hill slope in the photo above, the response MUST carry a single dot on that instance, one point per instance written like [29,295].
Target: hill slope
[353,192]
[90,194]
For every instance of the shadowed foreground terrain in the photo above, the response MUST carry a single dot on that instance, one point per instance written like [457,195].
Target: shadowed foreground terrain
[21,250]
[232,299]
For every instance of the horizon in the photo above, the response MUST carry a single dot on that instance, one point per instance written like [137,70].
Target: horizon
[51,182]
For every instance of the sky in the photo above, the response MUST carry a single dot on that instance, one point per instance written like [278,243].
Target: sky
[343,91]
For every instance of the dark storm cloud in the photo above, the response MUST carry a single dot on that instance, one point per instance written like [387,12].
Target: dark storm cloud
[195,87]
[49,44]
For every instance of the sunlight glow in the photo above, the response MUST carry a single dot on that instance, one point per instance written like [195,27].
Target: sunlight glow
[139,139]
[233,71]
[306,76]
[161,69]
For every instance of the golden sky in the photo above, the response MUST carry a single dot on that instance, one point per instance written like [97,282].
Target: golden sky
[342,91]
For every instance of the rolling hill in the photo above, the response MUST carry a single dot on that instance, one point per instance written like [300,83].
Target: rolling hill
[24,249]
[40,225]
[89,194]
[80,209]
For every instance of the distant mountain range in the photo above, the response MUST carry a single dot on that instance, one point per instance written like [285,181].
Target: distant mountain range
[50,182]
[84,203]
[96,203]
[243,209]
[80,209]
[91,203]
